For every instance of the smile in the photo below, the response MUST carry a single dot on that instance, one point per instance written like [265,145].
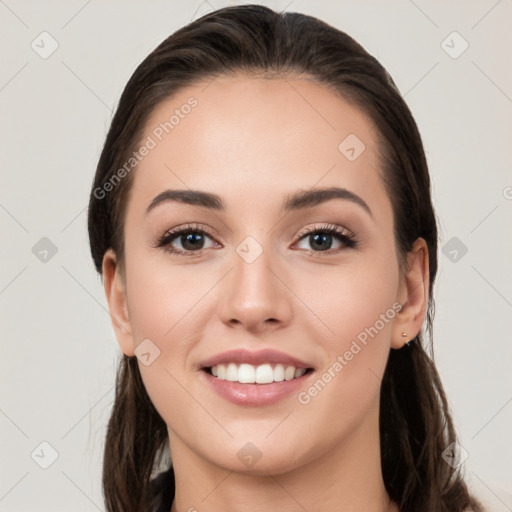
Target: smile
[255,378]
[250,374]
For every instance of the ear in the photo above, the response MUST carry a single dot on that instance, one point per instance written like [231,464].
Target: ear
[412,295]
[115,291]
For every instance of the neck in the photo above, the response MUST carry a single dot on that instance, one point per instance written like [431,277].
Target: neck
[346,477]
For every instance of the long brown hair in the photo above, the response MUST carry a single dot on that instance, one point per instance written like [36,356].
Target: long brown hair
[415,422]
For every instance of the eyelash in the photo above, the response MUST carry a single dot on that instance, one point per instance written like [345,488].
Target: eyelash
[345,236]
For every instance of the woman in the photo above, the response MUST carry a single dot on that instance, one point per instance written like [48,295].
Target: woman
[262,220]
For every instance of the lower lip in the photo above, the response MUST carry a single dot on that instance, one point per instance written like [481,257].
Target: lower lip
[255,394]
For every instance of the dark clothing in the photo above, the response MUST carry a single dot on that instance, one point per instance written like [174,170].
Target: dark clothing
[163,491]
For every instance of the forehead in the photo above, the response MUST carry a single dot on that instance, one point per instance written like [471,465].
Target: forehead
[256,134]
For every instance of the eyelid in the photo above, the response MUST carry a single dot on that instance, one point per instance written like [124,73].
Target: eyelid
[346,237]
[191,226]
[325,226]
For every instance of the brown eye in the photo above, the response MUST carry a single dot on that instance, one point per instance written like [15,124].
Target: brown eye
[322,239]
[186,241]
[191,240]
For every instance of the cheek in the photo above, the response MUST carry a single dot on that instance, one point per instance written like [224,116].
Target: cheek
[357,306]
[351,299]
[161,298]
[162,305]
[334,305]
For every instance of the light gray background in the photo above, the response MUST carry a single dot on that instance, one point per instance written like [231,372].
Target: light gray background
[58,351]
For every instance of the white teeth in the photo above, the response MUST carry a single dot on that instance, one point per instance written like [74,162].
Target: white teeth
[289,373]
[246,374]
[221,369]
[232,372]
[262,374]
[299,372]
[278,373]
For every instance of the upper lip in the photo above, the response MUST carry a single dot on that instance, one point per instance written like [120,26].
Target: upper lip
[240,356]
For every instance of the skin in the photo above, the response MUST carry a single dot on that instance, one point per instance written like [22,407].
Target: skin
[252,141]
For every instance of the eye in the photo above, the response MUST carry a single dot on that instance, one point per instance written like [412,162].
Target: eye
[186,240]
[191,240]
[321,238]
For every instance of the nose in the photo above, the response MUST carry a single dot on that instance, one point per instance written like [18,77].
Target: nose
[254,296]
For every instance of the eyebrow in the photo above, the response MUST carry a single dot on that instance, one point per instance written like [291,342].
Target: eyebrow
[296,201]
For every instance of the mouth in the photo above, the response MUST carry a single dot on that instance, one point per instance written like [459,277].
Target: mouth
[266,373]
[255,378]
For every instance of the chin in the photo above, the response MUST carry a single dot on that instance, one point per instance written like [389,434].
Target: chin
[259,458]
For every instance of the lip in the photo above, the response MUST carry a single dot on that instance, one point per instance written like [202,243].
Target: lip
[240,356]
[255,394]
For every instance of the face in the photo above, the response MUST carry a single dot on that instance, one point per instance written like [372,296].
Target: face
[260,279]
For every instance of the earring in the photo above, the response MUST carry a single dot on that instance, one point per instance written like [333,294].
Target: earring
[407,343]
